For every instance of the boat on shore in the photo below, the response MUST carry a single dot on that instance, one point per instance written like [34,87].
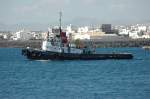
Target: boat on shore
[57,46]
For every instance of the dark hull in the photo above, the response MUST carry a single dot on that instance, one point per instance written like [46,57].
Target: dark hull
[47,55]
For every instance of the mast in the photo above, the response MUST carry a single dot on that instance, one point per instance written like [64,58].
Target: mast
[47,36]
[60,16]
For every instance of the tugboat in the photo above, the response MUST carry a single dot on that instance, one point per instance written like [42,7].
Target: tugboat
[58,47]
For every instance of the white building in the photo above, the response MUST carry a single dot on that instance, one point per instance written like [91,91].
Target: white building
[146,36]
[84,36]
[22,35]
[142,28]
[134,35]
[83,29]
[69,29]
[5,36]
[124,31]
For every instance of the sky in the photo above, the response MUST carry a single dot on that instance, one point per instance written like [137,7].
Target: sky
[80,12]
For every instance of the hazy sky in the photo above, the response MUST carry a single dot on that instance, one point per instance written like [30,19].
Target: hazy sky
[74,11]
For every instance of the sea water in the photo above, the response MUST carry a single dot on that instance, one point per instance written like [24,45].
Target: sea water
[21,78]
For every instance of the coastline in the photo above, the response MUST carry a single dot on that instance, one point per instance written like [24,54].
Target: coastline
[20,44]
[98,43]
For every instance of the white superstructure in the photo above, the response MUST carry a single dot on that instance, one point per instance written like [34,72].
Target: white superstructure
[53,44]
[47,46]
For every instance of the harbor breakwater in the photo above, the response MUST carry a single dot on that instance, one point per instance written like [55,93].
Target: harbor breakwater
[98,43]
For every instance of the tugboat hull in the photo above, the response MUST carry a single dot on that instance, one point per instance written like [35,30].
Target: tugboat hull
[48,55]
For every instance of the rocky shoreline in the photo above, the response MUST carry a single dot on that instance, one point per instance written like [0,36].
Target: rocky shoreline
[99,43]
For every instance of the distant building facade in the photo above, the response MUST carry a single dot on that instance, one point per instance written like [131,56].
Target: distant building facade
[106,28]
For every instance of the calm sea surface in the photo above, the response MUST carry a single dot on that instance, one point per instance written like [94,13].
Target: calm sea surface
[101,79]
